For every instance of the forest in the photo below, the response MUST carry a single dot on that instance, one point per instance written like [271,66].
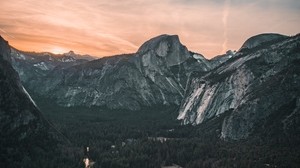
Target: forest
[154,138]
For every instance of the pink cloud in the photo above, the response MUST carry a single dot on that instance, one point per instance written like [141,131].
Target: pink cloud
[105,28]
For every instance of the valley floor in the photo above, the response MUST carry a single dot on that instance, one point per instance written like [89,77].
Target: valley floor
[153,138]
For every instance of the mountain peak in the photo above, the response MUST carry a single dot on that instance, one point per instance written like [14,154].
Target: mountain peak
[167,47]
[70,53]
[157,42]
[261,38]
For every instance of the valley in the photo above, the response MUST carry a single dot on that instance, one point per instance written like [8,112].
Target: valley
[154,138]
[161,106]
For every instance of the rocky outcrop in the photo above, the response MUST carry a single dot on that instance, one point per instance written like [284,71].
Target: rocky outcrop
[154,76]
[250,87]
[164,47]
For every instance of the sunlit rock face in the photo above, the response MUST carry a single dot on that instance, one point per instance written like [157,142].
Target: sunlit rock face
[154,76]
[250,87]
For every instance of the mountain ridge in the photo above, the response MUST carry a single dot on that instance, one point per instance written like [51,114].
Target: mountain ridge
[155,75]
[228,86]
[240,105]
[164,72]
[259,39]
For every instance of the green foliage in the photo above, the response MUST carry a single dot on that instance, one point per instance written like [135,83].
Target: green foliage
[130,132]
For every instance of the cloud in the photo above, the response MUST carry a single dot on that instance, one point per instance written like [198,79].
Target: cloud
[225,22]
[104,28]
[7,33]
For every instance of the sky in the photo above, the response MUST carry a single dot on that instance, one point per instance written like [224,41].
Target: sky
[108,27]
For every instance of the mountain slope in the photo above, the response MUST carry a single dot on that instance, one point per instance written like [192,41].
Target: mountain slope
[25,134]
[251,87]
[154,76]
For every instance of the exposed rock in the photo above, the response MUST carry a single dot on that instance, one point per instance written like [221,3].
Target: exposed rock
[252,86]
[166,46]
[156,75]
[262,38]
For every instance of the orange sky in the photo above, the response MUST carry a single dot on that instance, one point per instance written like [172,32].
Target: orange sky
[103,28]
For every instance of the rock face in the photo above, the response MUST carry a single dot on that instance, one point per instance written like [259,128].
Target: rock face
[155,75]
[164,47]
[248,88]
[22,126]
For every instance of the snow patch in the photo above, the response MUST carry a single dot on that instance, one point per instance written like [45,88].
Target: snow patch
[41,65]
[68,59]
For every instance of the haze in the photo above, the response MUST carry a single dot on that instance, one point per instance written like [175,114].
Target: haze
[104,28]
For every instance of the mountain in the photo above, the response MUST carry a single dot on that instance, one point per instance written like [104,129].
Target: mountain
[155,75]
[255,88]
[240,109]
[262,38]
[248,86]
[31,65]
[25,134]
[78,56]
[220,59]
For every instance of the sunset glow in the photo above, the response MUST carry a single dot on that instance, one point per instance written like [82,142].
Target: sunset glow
[103,28]
[58,50]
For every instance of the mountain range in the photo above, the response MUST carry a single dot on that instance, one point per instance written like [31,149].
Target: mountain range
[250,84]
[255,88]
[155,75]
[260,81]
